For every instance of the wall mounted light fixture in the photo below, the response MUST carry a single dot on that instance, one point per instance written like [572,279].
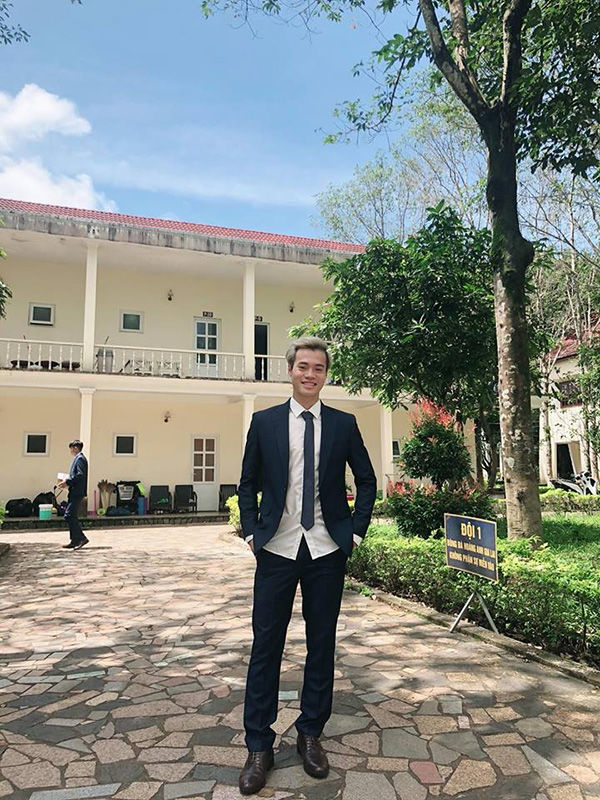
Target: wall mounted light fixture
[166,416]
[170,294]
[292,307]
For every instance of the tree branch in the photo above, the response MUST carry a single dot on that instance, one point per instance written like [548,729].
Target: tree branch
[513,61]
[458,17]
[457,77]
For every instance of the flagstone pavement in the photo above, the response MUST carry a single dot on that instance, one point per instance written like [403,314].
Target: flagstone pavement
[122,670]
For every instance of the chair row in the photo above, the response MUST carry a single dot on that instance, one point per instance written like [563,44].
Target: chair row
[184,499]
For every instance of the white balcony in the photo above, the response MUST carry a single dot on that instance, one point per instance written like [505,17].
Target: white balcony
[37,355]
[168,363]
[25,354]
[271,368]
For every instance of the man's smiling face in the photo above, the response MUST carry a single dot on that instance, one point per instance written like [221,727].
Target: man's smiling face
[308,375]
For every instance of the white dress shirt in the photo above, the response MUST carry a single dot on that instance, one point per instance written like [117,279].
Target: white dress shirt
[288,536]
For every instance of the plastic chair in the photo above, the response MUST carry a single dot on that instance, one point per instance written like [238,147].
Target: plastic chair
[185,499]
[159,501]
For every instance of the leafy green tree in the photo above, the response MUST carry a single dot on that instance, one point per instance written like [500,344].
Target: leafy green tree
[9,33]
[439,157]
[528,72]
[5,294]
[589,387]
[416,320]
[436,450]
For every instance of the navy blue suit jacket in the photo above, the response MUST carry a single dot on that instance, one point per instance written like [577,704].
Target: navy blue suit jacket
[78,474]
[265,469]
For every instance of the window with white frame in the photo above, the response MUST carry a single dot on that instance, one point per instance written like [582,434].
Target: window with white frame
[41,314]
[132,321]
[37,444]
[125,444]
[396,449]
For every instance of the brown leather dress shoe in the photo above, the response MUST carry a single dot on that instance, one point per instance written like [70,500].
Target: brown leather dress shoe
[313,756]
[254,774]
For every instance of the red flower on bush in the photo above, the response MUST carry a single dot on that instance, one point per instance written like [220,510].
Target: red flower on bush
[427,411]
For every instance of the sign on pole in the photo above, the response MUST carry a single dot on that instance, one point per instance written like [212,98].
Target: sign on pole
[471,545]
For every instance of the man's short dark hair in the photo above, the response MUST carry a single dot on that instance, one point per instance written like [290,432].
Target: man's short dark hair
[306,343]
[76,443]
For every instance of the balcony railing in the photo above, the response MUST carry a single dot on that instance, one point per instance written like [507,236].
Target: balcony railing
[25,354]
[37,355]
[118,360]
[270,368]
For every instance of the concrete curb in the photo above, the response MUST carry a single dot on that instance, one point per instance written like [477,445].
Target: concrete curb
[522,649]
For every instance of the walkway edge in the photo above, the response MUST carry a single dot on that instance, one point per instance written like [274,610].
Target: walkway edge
[522,649]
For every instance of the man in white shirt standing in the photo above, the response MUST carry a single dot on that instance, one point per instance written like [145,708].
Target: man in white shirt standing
[303,532]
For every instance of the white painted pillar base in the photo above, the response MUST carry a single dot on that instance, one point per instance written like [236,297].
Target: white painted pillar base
[89,308]
[386,434]
[248,321]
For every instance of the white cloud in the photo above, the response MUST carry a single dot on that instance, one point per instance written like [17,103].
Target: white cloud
[29,116]
[28,179]
[262,189]
[34,113]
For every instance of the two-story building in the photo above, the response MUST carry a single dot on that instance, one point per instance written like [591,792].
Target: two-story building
[153,341]
[563,417]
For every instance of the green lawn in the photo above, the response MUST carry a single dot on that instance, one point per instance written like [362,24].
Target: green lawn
[571,539]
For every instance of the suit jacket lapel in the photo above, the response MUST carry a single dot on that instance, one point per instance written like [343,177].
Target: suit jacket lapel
[282,435]
[327,437]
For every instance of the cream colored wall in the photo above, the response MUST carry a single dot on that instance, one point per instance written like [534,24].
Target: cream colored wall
[35,411]
[164,450]
[59,284]
[273,304]
[166,323]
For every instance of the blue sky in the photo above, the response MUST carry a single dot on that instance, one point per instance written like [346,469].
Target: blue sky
[146,107]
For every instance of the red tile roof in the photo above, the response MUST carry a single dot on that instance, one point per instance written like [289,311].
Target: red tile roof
[570,344]
[174,225]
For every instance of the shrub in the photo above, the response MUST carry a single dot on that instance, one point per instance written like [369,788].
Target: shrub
[435,450]
[560,500]
[541,597]
[419,510]
[234,513]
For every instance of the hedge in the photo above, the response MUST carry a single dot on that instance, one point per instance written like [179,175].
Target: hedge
[540,598]
[558,500]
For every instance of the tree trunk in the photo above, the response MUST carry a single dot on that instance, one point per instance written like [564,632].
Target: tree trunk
[478,454]
[545,428]
[512,254]
[492,441]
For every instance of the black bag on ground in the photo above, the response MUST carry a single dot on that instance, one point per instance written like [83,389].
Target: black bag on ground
[42,498]
[117,511]
[19,507]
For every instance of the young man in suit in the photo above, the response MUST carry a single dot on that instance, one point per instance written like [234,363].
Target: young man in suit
[77,486]
[303,531]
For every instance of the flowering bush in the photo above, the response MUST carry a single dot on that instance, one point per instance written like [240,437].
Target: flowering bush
[435,450]
[419,510]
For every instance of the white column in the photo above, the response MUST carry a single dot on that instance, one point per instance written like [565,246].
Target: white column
[89,309]
[247,411]
[248,321]
[85,433]
[385,433]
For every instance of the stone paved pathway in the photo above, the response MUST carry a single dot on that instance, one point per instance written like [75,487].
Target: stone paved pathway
[122,669]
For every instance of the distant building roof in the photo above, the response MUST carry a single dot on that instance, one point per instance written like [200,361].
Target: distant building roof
[176,226]
[570,344]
